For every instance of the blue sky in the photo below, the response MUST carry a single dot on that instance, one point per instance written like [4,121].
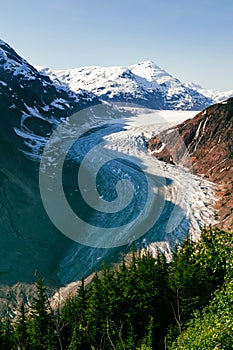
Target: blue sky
[192,40]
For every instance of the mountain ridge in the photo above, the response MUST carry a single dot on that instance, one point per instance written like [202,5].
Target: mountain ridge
[144,84]
[208,141]
[31,107]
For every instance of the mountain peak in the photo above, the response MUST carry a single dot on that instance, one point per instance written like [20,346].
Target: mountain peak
[147,63]
[144,84]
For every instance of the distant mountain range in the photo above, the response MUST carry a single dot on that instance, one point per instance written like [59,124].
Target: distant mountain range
[144,84]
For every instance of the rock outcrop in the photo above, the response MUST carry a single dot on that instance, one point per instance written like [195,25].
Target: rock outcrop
[205,144]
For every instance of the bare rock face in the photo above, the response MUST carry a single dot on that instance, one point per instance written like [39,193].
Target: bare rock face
[206,142]
[160,150]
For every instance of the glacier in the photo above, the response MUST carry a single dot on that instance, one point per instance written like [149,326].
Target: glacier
[188,200]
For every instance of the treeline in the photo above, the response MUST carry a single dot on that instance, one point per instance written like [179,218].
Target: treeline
[145,303]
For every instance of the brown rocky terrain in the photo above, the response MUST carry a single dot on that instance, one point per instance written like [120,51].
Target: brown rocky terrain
[204,143]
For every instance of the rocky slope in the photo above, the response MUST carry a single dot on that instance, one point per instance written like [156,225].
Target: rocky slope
[31,106]
[143,84]
[208,142]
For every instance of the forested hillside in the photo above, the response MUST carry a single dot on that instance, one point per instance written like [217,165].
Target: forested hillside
[145,303]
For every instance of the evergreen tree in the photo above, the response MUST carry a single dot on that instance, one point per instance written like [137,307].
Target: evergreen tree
[7,335]
[21,329]
[40,323]
[96,316]
[144,304]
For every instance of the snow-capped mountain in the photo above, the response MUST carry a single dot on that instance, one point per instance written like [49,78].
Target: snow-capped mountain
[144,84]
[216,95]
[32,104]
